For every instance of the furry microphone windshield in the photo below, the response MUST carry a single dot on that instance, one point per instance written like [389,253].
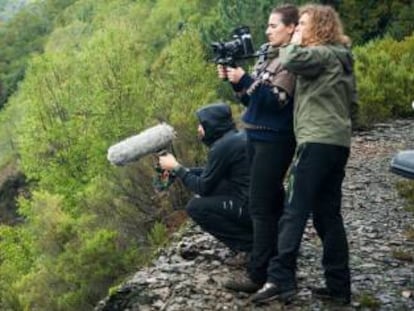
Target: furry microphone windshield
[151,140]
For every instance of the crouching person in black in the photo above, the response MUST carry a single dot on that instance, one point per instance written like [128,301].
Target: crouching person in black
[221,187]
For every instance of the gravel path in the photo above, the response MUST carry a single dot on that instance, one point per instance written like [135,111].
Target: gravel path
[187,275]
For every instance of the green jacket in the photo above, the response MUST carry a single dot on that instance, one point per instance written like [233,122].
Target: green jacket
[325,90]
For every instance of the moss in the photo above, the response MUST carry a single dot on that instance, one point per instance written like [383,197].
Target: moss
[403,255]
[406,190]
[367,300]
[114,289]
[410,234]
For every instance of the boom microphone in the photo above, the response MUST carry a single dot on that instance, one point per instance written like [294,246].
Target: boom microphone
[151,140]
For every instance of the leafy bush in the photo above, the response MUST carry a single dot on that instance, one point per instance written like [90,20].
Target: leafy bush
[16,259]
[98,83]
[385,79]
[406,189]
[158,235]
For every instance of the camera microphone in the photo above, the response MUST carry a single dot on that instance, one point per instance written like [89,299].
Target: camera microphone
[151,140]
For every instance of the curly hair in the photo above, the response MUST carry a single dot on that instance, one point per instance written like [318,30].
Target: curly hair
[325,25]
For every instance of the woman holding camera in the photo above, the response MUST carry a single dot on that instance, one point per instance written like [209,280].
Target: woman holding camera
[325,90]
[268,95]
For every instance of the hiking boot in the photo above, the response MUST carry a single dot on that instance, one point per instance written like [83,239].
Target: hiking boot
[271,291]
[239,260]
[242,284]
[324,293]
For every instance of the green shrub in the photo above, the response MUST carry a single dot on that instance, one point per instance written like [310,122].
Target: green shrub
[403,255]
[385,79]
[406,190]
[368,301]
[16,259]
[158,235]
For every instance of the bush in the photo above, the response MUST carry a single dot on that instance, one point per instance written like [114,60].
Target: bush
[385,79]
[406,190]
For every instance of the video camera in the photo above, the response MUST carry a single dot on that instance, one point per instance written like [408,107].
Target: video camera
[241,47]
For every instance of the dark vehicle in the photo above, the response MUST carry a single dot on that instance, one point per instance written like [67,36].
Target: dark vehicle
[403,163]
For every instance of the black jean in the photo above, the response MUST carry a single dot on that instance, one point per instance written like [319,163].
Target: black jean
[269,163]
[224,218]
[314,188]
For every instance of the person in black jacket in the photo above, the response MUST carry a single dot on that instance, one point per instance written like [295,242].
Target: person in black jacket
[221,187]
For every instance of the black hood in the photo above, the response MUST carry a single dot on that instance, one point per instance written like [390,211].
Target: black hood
[216,120]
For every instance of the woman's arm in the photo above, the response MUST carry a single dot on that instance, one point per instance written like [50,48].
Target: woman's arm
[305,61]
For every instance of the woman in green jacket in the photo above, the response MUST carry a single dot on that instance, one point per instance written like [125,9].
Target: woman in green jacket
[325,89]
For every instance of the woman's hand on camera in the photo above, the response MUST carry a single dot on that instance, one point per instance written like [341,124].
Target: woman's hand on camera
[222,72]
[235,74]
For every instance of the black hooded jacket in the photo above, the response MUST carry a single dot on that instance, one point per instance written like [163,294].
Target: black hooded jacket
[227,168]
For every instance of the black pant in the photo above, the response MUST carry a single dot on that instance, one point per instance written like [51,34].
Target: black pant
[269,163]
[314,187]
[224,218]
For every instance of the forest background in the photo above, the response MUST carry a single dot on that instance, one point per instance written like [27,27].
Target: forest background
[77,76]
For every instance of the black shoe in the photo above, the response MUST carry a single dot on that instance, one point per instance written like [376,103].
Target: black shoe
[324,293]
[242,284]
[239,260]
[270,292]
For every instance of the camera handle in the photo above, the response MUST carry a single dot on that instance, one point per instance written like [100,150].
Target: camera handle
[230,62]
[225,78]
[163,179]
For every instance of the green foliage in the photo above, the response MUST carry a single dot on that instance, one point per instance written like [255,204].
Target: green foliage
[16,259]
[406,190]
[403,255]
[8,8]
[57,263]
[109,70]
[10,188]
[51,226]
[368,20]
[97,83]
[367,300]
[229,14]
[176,69]
[385,80]
[76,279]
[158,235]
[410,234]
[90,266]
[21,36]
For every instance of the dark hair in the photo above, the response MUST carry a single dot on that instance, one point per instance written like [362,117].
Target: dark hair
[289,13]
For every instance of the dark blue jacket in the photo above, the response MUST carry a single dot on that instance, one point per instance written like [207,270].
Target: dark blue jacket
[261,94]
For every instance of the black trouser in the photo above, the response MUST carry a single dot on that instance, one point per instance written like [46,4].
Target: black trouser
[269,163]
[224,218]
[314,187]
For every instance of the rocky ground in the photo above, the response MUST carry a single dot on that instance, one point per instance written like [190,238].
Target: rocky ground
[188,274]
